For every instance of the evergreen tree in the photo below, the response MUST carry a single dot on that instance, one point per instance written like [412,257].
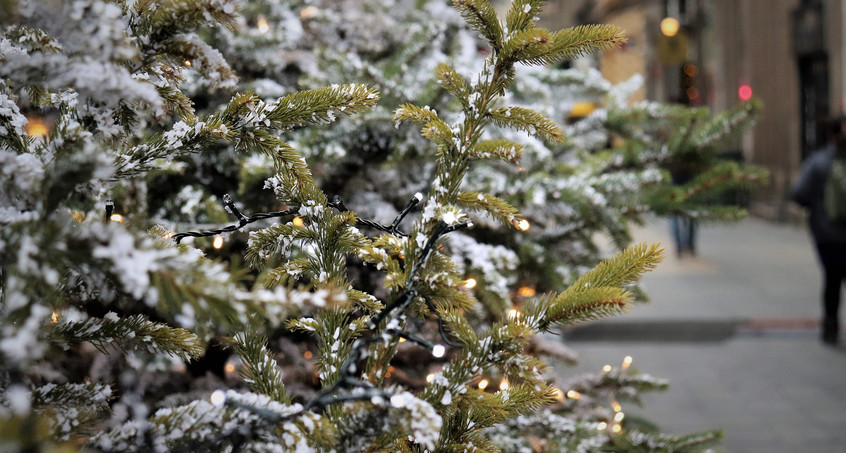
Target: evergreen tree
[123,255]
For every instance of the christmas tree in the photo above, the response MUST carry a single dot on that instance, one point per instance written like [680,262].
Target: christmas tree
[146,309]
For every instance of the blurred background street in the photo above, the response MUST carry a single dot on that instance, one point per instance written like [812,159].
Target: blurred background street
[735,330]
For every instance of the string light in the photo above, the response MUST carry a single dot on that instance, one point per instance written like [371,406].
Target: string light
[263,26]
[470,283]
[35,127]
[522,225]
[559,395]
[670,26]
[297,221]
[573,395]
[526,291]
[513,313]
[229,368]
[309,11]
[243,220]
[218,398]
[606,369]
[581,109]
[218,242]
[187,63]
[627,361]
[616,406]
[116,218]
[503,384]
[430,377]
[438,350]
[601,426]
[308,355]
[402,340]
[54,318]
[617,428]
[483,384]
[618,417]
[691,70]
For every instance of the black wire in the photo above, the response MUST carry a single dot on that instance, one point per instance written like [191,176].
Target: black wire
[347,379]
[228,229]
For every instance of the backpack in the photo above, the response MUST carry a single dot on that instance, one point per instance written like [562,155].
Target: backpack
[834,197]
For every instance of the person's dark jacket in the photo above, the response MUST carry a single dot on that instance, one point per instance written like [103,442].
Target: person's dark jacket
[808,192]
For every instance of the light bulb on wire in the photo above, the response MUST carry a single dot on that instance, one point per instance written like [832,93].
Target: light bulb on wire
[263,26]
[670,26]
[218,398]
[438,350]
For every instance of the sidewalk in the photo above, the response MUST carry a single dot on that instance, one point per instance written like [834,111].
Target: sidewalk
[735,331]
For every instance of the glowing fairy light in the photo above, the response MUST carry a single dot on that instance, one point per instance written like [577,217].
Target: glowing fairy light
[35,127]
[218,242]
[617,428]
[263,26]
[229,368]
[558,394]
[601,426]
[522,225]
[402,340]
[670,26]
[298,221]
[309,11]
[573,395]
[54,318]
[483,384]
[218,398]
[618,417]
[627,361]
[606,369]
[308,355]
[526,291]
[438,350]
[503,384]
[470,283]
[187,63]
[116,218]
[616,406]
[430,377]
[513,314]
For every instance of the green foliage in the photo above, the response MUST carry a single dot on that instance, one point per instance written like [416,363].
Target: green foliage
[481,16]
[333,327]
[130,332]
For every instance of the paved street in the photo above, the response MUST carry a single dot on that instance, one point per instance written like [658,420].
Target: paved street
[735,331]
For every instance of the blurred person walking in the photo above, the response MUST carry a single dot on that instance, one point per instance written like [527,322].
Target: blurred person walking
[817,190]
